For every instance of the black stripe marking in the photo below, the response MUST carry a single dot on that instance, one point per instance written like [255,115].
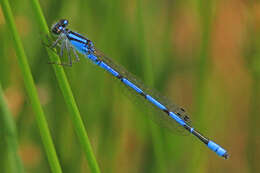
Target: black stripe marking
[166,111]
[71,38]
[78,35]
[143,94]
[200,136]
[187,127]
[98,61]
[120,77]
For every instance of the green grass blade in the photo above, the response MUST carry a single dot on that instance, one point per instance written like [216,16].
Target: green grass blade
[10,137]
[67,93]
[31,89]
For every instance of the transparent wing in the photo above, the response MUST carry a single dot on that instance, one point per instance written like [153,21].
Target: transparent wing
[160,117]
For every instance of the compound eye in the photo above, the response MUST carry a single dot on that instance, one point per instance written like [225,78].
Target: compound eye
[64,22]
[59,27]
[56,30]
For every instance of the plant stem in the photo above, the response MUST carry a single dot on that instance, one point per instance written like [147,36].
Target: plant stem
[31,89]
[67,93]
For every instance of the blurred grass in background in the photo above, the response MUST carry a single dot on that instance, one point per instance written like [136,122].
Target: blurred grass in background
[204,55]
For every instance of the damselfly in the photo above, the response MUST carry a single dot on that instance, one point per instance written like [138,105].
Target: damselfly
[72,41]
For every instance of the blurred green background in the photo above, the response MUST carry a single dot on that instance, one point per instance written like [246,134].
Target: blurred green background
[203,55]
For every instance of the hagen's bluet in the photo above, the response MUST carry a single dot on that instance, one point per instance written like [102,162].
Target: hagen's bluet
[72,41]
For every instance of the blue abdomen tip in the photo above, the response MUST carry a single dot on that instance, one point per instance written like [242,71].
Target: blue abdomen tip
[218,149]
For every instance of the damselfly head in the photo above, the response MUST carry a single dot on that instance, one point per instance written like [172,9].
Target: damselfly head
[59,26]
